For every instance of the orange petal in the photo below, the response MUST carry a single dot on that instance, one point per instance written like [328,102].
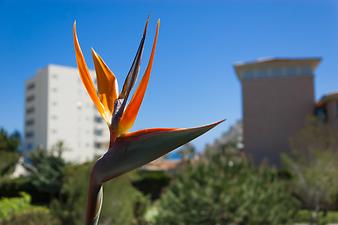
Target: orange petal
[106,84]
[129,116]
[85,76]
[143,132]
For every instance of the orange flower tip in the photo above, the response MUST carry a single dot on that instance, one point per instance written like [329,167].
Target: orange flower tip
[74,26]
[145,28]
[93,51]
[159,22]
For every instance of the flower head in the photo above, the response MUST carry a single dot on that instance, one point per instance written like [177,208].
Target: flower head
[127,151]
[111,104]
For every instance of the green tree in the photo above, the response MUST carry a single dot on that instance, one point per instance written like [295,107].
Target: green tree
[44,180]
[224,188]
[9,155]
[70,205]
[9,142]
[46,170]
[313,166]
[8,161]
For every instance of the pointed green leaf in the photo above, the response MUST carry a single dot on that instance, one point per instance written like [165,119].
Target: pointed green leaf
[142,147]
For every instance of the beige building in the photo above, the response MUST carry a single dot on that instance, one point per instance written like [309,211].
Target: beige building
[277,96]
[327,109]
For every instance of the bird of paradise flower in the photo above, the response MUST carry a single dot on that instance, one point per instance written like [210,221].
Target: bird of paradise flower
[127,151]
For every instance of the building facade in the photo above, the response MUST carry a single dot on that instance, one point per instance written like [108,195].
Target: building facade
[327,109]
[277,97]
[57,108]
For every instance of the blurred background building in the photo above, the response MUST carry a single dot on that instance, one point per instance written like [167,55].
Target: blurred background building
[57,108]
[327,109]
[277,97]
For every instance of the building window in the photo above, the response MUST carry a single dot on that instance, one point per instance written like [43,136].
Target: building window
[307,70]
[29,146]
[98,132]
[79,105]
[292,70]
[30,98]
[30,86]
[30,110]
[98,119]
[29,134]
[29,122]
[321,114]
[54,117]
[98,145]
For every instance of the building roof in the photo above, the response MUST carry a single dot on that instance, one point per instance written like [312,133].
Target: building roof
[333,96]
[162,165]
[243,67]
[265,60]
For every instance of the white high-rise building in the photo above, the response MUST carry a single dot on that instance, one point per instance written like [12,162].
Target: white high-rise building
[58,108]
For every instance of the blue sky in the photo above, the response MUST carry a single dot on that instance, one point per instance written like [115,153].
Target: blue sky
[193,81]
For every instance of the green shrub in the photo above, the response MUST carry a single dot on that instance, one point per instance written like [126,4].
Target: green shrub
[44,180]
[8,161]
[19,211]
[323,217]
[151,183]
[224,188]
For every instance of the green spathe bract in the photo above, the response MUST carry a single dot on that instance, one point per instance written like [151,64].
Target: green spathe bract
[130,153]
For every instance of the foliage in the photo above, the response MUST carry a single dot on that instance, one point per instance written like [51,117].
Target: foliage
[316,135]
[324,218]
[19,211]
[70,205]
[9,142]
[45,177]
[315,180]
[9,156]
[44,180]
[224,188]
[122,204]
[313,166]
[46,171]
[151,183]
[12,187]
[8,161]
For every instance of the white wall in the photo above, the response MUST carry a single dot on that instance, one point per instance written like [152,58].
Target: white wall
[65,112]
